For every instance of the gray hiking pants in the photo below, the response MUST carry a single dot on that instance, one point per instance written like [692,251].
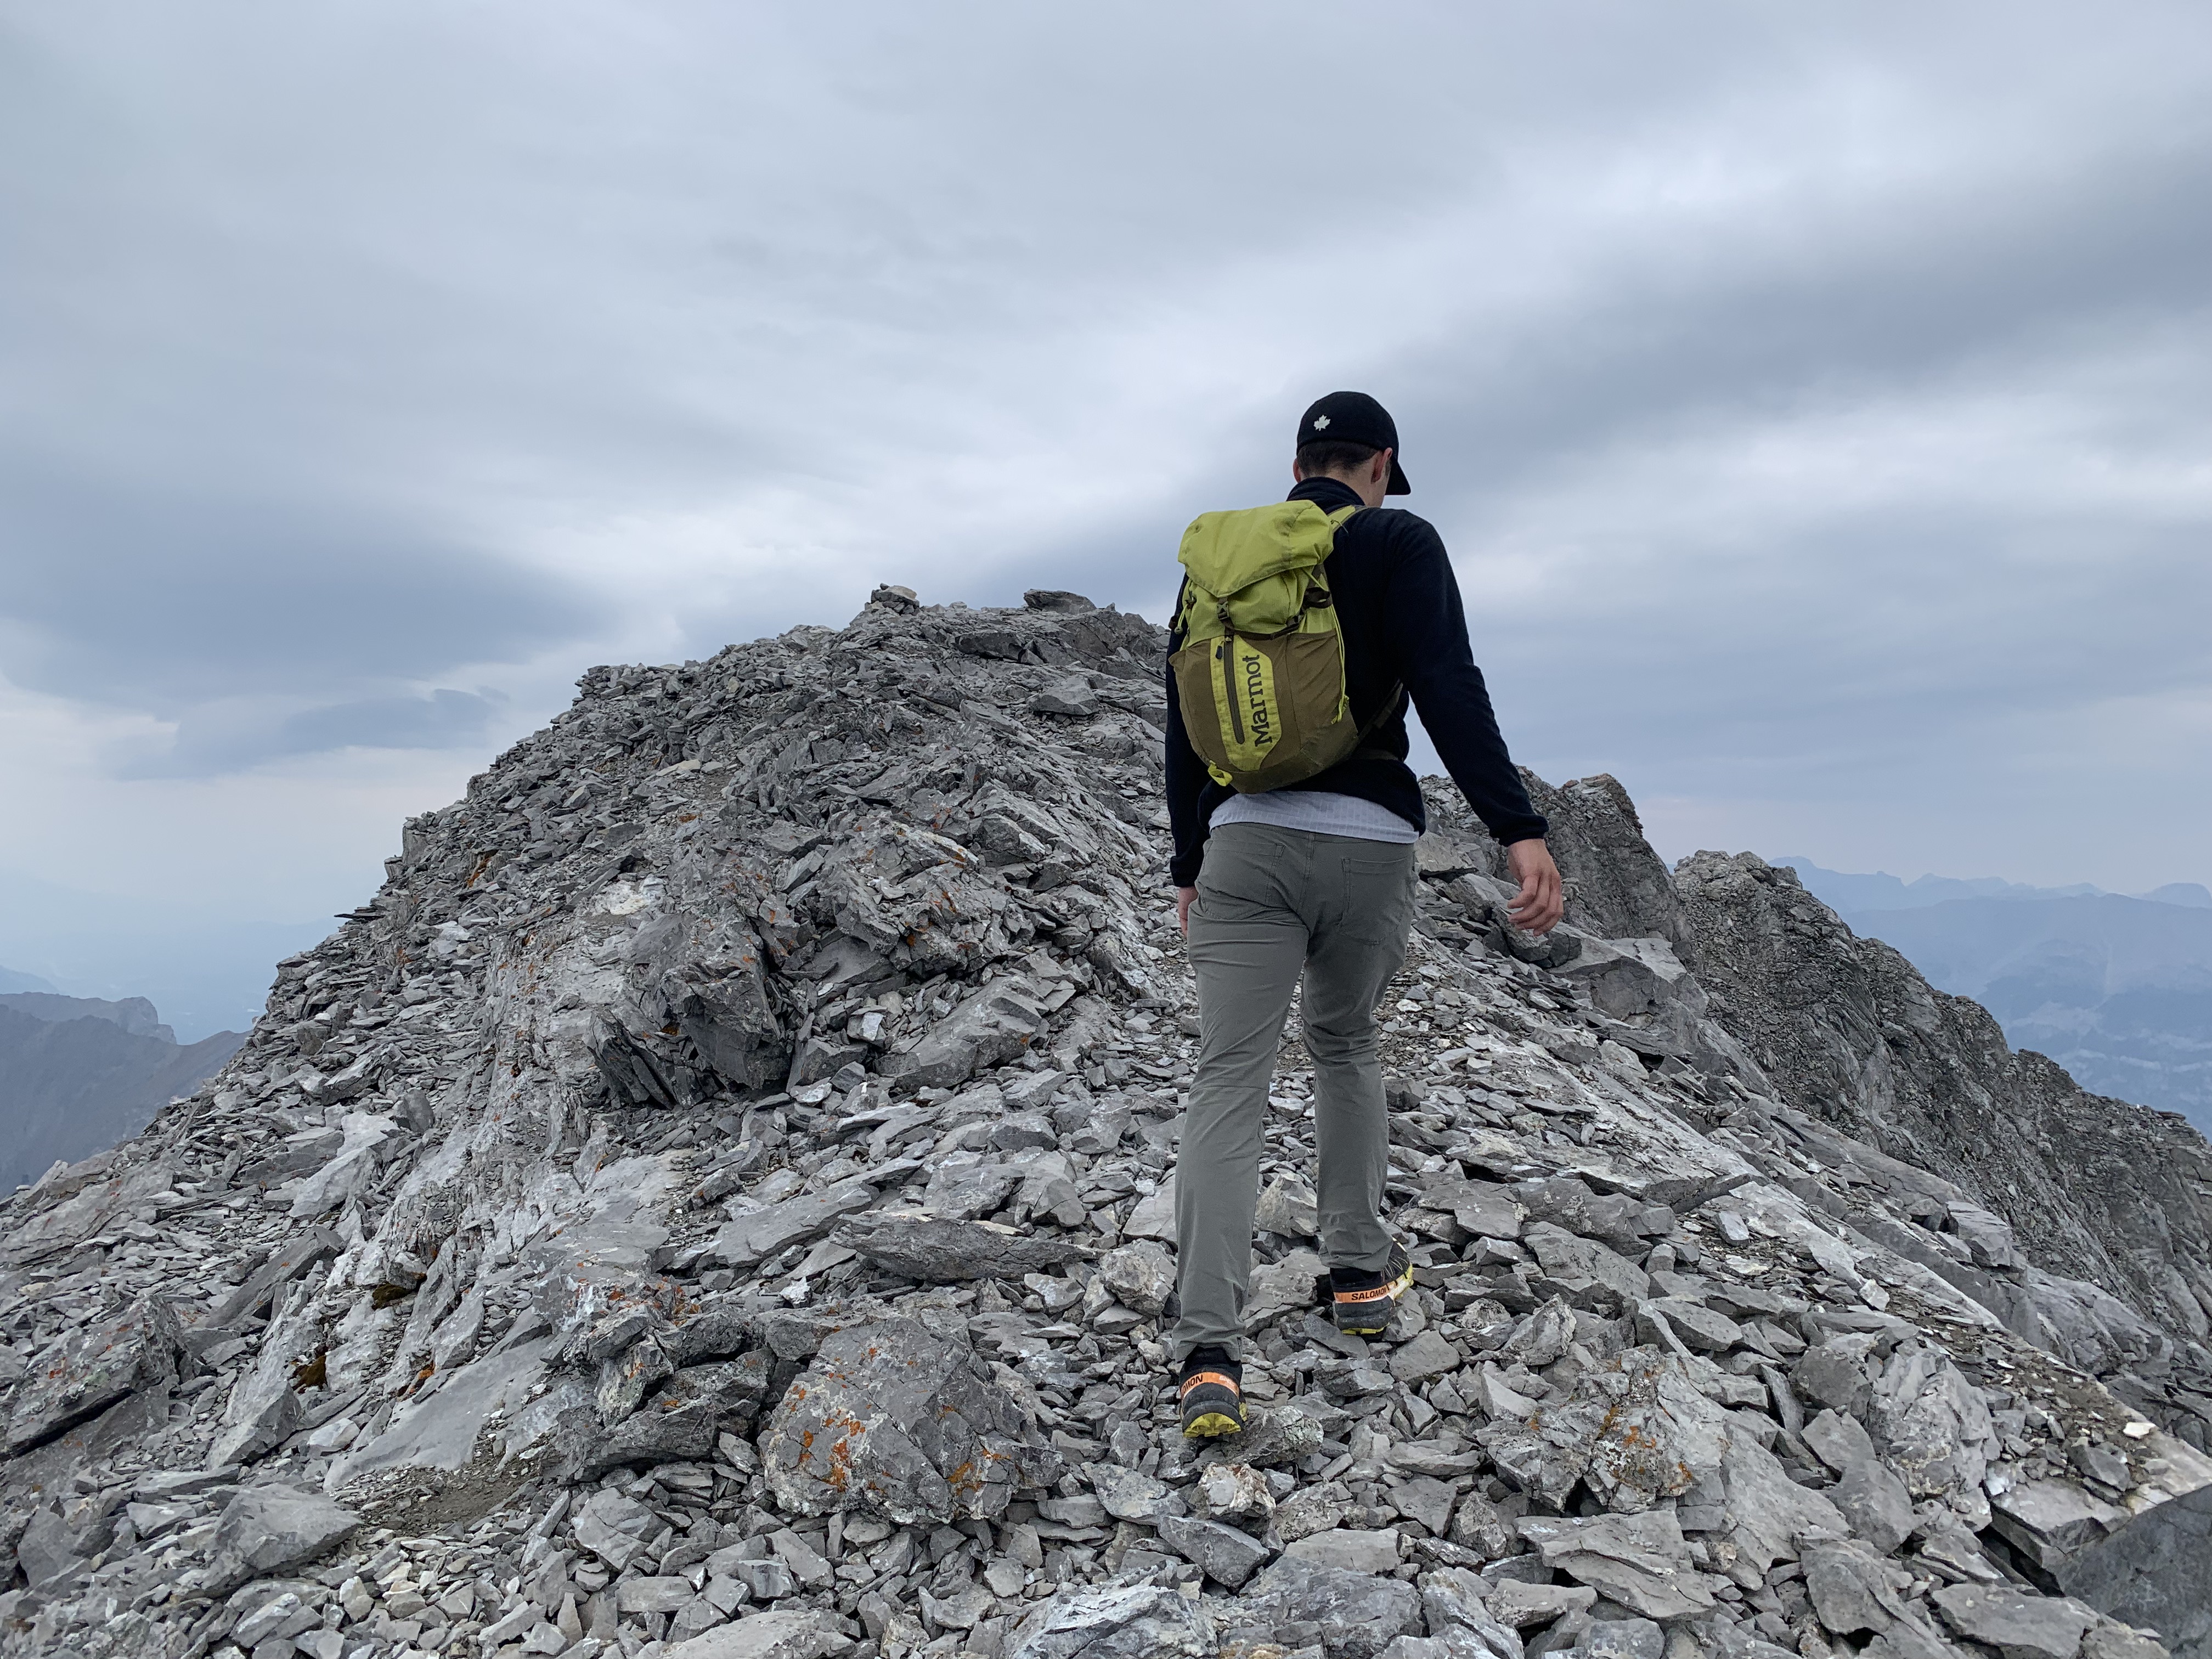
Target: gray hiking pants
[1274,904]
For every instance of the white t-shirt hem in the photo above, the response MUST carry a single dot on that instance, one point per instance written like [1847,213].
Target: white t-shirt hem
[1318,813]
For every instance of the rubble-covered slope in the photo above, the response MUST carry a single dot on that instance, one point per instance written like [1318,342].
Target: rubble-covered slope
[715,1200]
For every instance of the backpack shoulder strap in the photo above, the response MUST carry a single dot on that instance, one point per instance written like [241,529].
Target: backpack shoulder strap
[1396,699]
[1391,705]
[1337,520]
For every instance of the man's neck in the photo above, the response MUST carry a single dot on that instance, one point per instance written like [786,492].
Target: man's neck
[1333,480]
[1369,491]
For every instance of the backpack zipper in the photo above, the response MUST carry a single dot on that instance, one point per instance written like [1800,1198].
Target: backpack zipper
[1229,675]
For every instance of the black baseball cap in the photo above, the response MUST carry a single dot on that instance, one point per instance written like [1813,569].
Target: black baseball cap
[1353,417]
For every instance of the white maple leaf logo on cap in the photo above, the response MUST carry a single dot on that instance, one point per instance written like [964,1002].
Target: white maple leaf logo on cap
[1320,421]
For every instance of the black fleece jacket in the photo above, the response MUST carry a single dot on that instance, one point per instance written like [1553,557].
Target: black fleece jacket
[1398,604]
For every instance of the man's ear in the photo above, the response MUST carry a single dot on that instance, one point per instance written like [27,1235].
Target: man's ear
[1378,465]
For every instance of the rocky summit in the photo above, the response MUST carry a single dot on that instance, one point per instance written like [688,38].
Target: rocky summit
[714,1201]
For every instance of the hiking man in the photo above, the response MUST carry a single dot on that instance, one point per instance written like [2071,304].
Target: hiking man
[1301,630]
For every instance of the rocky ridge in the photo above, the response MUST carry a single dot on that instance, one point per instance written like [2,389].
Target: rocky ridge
[2094,1187]
[714,1201]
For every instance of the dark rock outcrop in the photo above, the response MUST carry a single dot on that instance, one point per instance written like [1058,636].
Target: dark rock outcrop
[2155,1572]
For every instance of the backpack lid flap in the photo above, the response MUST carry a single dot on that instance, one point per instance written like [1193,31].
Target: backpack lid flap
[1226,551]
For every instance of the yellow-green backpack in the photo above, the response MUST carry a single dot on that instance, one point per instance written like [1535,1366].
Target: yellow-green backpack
[1261,671]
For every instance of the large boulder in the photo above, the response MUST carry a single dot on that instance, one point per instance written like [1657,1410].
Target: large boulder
[1145,1621]
[1584,1271]
[941,1252]
[369,1141]
[589,1268]
[1636,1429]
[1641,1561]
[723,1006]
[1633,978]
[679,1421]
[2050,1522]
[1357,1613]
[761,1234]
[1869,1493]
[893,1417]
[996,1024]
[47,1550]
[1227,1554]
[805,1634]
[85,1372]
[2018,1626]
[1931,1425]
[267,1530]
[1767,1512]
[502,1402]
[614,1526]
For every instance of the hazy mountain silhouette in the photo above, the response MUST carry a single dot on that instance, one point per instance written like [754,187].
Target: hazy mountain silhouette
[1843,893]
[78,1074]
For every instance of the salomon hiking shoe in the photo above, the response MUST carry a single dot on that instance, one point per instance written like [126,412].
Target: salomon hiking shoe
[1365,1305]
[1211,1394]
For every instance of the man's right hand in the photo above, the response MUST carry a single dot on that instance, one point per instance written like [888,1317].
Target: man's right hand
[1185,897]
[1540,902]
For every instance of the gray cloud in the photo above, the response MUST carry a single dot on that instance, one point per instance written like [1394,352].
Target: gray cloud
[444,720]
[1907,296]
[166,599]
[1804,395]
[228,736]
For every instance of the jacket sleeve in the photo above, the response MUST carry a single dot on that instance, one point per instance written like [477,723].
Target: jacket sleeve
[1187,778]
[1437,666]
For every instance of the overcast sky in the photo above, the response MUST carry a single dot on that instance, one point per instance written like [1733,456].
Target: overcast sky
[1814,399]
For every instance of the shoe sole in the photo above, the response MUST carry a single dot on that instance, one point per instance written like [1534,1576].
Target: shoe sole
[1212,1425]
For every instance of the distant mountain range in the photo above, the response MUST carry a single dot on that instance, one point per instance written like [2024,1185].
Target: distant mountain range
[2118,990]
[1843,893]
[78,1073]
